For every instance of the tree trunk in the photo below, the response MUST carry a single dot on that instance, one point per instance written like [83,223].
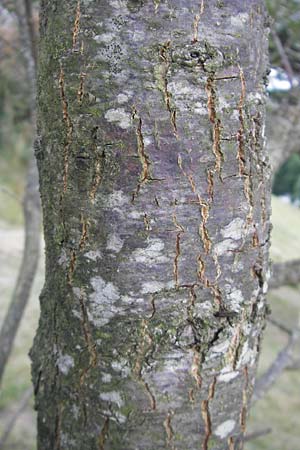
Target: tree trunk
[156,200]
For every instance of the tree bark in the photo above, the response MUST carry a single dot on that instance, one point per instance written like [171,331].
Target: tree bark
[155,187]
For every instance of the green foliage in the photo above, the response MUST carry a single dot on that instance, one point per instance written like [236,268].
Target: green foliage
[286,16]
[287,179]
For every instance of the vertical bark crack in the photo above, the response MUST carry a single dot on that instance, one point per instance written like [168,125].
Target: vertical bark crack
[69,127]
[144,158]
[196,22]
[76,25]
[104,434]
[177,250]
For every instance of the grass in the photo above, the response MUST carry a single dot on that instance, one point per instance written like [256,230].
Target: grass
[278,410]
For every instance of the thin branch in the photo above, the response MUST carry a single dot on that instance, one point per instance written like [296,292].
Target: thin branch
[281,362]
[10,424]
[286,273]
[284,58]
[279,325]
[7,191]
[257,434]
[295,365]
[32,220]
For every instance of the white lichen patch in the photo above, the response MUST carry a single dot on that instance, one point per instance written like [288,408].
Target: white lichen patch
[114,243]
[182,88]
[102,302]
[116,199]
[237,266]
[223,247]
[104,37]
[248,356]
[200,109]
[156,286]
[121,366]
[122,98]
[234,297]
[265,287]
[118,116]
[106,377]
[239,20]
[65,363]
[227,374]
[222,347]
[234,230]
[112,397]
[93,255]
[152,254]
[147,141]
[225,428]
[63,259]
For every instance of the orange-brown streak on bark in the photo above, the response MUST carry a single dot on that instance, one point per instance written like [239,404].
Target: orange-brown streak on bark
[210,184]
[87,331]
[191,397]
[165,57]
[195,368]
[80,91]
[147,223]
[144,158]
[96,181]
[169,430]
[211,390]
[145,344]
[207,423]
[69,126]
[177,249]
[84,233]
[243,415]
[211,106]
[241,131]
[230,443]
[71,267]
[196,22]
[104,434]
[234,346]
[76,25]
[206,414]
[57,442]
[203,229]
[217,296]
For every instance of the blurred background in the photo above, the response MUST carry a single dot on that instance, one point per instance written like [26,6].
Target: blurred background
[275,419]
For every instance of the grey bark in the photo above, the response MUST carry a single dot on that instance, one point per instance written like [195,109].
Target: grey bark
[155,187]
[32,215]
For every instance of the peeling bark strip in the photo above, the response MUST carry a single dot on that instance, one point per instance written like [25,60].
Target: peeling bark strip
[155,189]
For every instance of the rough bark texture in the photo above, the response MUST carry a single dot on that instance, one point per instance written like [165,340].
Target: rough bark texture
[156,197]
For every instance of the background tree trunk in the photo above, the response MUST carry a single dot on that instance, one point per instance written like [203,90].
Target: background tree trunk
[156,199]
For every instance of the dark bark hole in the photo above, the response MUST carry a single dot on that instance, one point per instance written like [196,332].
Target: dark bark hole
[195,54]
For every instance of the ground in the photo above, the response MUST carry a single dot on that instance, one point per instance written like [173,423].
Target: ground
[278,410]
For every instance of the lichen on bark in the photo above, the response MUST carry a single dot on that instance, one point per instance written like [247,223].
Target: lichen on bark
[155,191]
